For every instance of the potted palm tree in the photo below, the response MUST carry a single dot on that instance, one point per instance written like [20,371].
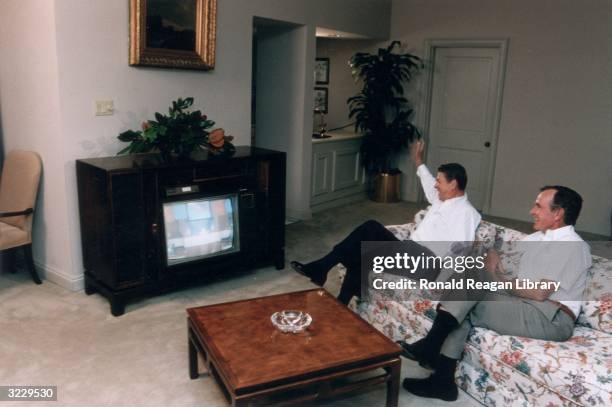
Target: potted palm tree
[383,115]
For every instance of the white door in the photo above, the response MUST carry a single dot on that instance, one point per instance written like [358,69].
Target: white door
[465,95]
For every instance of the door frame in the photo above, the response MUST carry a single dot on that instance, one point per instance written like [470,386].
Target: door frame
[423,119]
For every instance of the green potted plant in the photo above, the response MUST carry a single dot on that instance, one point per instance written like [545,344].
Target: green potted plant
[179,133]
[383,115]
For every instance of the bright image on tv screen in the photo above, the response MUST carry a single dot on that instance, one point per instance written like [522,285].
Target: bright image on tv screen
[200,228]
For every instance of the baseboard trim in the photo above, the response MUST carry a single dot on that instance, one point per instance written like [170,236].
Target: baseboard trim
[358,197]
[298,214]
[60,278]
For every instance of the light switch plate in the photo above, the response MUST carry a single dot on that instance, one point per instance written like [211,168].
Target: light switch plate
[104,108]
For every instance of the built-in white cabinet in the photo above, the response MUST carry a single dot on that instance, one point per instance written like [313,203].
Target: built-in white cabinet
[337,175]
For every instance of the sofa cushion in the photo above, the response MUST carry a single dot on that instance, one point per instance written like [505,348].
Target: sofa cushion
[394,320]
[504,234]
[495,381]
[597,310]
[485,232]
[577,368]
[403,232]
[485,235]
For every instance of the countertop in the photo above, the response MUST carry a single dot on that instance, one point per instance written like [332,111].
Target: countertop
[338,135]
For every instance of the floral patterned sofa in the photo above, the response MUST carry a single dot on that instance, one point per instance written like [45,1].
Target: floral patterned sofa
[500,370]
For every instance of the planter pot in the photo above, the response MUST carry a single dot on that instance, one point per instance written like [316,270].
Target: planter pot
[386,187]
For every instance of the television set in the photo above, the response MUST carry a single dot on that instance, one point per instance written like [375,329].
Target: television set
[200,228]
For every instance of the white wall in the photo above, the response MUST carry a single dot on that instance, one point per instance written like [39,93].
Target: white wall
[281,74]
[29,97]
[556,122]
[81,51]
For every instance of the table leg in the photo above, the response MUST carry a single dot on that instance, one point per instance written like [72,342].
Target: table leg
[193,358]
[240,402]
[393,384]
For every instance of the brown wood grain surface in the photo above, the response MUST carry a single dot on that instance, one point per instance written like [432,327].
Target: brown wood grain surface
[251,352]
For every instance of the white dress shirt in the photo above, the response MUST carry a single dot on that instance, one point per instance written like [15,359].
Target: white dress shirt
[557,255]
[448,221]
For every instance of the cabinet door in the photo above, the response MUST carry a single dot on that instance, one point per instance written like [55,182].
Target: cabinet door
[346,168]
[129,229]
[321,173]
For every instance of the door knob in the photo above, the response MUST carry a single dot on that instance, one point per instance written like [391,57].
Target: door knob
[487,144]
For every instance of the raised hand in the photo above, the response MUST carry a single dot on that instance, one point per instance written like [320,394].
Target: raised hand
[416,151]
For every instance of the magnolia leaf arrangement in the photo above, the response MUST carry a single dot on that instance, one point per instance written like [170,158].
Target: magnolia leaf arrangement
[380,110]
[179,133]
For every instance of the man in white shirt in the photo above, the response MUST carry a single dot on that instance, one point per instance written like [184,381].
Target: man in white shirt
[553,254]
[451,218]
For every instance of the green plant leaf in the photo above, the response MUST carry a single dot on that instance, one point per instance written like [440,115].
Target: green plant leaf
[129,135]
[380,110]
[180,131]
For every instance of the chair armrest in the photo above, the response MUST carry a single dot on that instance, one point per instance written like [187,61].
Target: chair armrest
[18,213]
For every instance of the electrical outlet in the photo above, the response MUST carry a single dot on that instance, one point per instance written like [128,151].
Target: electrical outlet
[104,108]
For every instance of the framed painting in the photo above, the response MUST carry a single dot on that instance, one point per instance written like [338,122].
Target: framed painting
[320,100]
[322,71]
[173,34]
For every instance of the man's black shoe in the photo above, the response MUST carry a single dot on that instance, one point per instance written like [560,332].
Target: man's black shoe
[433,387]
[417,352]
[303,270]
[299,267]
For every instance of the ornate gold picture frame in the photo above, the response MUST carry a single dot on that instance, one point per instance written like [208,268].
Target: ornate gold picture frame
[173,34]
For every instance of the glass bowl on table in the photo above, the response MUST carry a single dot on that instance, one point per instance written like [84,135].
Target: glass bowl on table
[292,321]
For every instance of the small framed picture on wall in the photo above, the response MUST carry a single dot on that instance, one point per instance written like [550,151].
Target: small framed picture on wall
[322,71]
[320,100]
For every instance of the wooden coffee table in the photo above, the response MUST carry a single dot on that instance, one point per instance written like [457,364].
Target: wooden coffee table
[253,361]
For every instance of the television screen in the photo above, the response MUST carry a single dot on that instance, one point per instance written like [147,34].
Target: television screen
[200,228]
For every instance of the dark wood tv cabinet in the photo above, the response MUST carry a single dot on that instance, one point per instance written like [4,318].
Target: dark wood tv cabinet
[122,227]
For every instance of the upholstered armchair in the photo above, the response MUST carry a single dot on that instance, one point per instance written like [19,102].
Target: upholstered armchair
[18,190]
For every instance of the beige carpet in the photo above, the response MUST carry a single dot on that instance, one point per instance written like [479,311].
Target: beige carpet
[50,336]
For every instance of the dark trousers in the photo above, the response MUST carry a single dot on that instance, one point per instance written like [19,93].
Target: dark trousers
[348,251]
